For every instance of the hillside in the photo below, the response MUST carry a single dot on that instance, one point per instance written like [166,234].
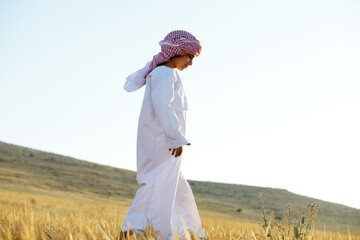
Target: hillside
[28,170]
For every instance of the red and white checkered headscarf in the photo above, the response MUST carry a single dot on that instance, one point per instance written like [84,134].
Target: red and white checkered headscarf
[177,42]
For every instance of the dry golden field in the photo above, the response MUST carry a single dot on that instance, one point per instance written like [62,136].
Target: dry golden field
[66,215]
[49,196]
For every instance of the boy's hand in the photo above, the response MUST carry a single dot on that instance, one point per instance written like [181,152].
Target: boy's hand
[176,152]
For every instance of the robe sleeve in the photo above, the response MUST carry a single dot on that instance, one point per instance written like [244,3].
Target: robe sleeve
[162,96]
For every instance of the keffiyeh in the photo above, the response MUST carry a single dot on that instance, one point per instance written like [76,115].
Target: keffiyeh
[177,42]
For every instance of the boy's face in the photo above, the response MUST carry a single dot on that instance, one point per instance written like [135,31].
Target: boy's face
[183,62]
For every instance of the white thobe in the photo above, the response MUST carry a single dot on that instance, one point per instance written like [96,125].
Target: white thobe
[164,198]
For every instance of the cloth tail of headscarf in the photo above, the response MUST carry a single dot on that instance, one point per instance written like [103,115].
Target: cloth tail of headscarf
[176,43]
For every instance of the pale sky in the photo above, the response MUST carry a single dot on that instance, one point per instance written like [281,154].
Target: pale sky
[274,98]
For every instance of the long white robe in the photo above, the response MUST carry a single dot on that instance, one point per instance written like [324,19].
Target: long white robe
[164,198]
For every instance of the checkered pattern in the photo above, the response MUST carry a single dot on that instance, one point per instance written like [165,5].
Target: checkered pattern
[177,42]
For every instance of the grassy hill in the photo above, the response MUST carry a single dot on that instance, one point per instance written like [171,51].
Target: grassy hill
[28,170]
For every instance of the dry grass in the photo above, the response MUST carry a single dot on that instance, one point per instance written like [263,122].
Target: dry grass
[63,185]
[26,216]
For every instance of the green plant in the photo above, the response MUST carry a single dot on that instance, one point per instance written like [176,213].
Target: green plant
[301,228]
